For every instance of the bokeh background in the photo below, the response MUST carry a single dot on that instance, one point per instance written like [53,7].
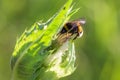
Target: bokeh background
[98,51]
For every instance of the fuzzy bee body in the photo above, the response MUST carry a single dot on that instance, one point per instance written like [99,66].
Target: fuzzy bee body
[73,28]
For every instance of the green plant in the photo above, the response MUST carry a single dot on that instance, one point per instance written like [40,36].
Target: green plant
[37,55]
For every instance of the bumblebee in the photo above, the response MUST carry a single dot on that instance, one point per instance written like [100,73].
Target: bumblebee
[73,28]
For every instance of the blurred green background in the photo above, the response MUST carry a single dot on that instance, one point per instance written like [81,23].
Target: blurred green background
[98,51]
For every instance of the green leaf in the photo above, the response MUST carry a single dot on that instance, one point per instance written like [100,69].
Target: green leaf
[36,55]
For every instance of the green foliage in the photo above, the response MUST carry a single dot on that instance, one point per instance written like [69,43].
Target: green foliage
[97,52]
[35,57]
